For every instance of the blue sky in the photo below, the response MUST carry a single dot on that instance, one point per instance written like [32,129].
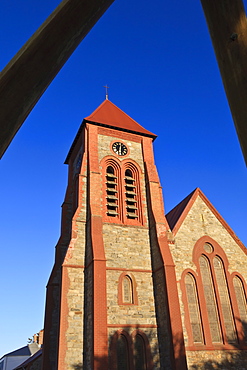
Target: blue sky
[162,71]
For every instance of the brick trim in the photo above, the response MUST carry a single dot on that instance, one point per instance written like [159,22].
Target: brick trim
[132,326]
[119,134]
[123,269]
[100,335]
[160,226]
[63,322]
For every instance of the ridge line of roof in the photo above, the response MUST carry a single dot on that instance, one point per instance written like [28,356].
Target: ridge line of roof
[175,214]
[120,128]
[107,105]
[190,201]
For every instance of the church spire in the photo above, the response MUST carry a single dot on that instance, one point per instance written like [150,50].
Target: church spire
[106,92]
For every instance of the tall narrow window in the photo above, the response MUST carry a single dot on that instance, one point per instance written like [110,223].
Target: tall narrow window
[127,290]
[216,303]
[112,201]
[130,195]
[194,312]
[209,293]
[224,300]
[139,353]
[122,353]
[242,304]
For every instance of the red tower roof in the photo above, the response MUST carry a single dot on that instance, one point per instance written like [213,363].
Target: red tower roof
[108,114]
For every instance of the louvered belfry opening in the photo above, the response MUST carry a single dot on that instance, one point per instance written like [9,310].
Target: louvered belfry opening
[122,200]
[112,194]
[130,195]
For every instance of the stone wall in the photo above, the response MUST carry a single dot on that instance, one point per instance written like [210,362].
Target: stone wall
[199,222]
[228,360]
[135,148]
[73,305]
[36,365]
[128,250]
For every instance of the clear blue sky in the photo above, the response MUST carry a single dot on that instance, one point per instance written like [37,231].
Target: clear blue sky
[161,69]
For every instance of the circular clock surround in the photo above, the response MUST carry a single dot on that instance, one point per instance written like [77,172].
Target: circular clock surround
[119,148]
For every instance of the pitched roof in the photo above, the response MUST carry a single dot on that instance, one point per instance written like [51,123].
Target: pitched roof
[108,114]
[177,215]
[23,351]
[174,215]
[29,360]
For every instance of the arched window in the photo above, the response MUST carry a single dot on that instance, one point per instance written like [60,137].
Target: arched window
[209,293]
[112,192]
[127,290]
[121,184]
[242,303]
[140,353]
[215,303]
[194,311]
[127,293]
[224,300]
[122,353]
[130,195]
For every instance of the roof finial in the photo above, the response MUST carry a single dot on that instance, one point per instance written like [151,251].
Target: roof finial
[106,92]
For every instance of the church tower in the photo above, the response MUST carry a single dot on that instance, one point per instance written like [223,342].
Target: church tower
[112,299]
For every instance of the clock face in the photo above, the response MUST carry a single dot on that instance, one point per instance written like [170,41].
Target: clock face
[119,148]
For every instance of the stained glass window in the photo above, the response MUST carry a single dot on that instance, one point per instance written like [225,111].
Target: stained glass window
[242,304]
[194,313]
[224,300]
[209,293]
[127,290]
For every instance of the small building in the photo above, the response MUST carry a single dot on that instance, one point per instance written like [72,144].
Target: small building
[15,358]
[32,363]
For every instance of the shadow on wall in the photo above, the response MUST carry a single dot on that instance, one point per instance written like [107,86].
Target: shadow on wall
[77,367]
[235,359]
[132,360]
[99,361]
